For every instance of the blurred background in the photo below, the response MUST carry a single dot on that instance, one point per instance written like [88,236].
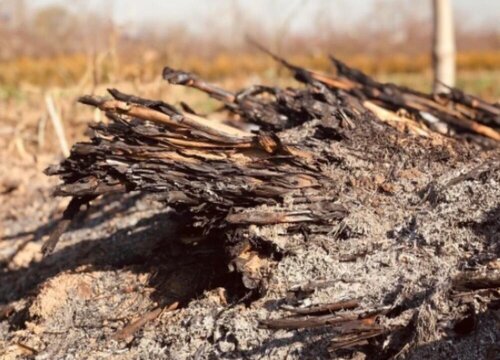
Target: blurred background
[53,51]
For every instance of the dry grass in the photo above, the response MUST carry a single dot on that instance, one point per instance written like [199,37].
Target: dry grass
[68,70]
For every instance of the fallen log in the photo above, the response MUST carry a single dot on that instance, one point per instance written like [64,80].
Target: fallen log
[223,179]
[337,145]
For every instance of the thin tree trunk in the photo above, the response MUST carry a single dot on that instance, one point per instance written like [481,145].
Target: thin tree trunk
[443,47]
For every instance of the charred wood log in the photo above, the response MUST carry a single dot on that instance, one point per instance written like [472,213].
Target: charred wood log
[223,179]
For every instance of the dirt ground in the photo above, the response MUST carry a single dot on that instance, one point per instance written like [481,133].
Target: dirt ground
[409,232]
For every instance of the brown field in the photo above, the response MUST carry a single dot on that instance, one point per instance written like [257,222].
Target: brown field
[67,70]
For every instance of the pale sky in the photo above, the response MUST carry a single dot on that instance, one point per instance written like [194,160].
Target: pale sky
[299,14]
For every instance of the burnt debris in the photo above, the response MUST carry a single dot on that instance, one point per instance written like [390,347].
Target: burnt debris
[225,179]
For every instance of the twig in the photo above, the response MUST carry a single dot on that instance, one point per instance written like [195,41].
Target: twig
[475,172]
[134,326]
[41,132]
[307,321]
[325,308]
[68,215]
[58,126]
[222,131]
[28,348]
